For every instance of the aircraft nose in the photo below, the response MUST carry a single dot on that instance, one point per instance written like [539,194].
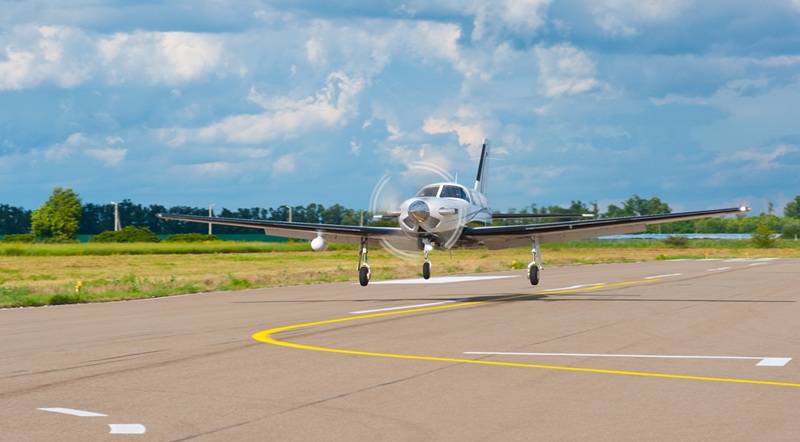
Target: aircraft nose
[419,210]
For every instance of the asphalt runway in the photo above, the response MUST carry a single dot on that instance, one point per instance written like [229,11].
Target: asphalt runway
[668,350]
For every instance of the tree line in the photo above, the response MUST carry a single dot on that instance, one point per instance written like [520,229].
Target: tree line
[93,219]
[98,218]
[788,225]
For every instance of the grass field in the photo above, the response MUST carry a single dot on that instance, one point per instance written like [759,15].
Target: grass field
[34,275]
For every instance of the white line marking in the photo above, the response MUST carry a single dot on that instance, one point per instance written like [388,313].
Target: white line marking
[441,280]
[774,362]
[664,276]
[759,264]
[717,270]
[79,413]
[127,429]
[764,361]
[580,286]
[361,312]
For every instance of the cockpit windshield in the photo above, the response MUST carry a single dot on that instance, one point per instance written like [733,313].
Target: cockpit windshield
[454,192]
[447,191]
[429,191]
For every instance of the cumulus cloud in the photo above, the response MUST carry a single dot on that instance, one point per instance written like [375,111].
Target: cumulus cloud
[60,152]
[108,156]
[520,17]
[468,134]
[69,57]
[214,168]
[760,160]
[93,147]
[315,52]
[565,70]
[491,20]
[284,165]
[44,54]
[331,106]
[625,17]
[159,57]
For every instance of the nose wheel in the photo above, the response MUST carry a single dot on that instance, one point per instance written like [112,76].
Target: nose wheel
[426,270]
[426,266]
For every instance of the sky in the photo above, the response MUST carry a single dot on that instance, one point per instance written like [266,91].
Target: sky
[247,103]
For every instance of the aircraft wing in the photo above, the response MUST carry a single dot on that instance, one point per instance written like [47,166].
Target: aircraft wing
[331,232]
[500,237]
[540,215]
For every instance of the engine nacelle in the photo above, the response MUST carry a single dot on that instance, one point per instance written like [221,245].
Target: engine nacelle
[319,244]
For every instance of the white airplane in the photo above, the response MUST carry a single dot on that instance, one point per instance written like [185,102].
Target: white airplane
[448,215]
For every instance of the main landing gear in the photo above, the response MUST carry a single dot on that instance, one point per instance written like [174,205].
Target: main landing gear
[363,267]
[536,264]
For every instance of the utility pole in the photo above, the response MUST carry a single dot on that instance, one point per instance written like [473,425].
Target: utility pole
[117,226]
[290,212]
[210,214]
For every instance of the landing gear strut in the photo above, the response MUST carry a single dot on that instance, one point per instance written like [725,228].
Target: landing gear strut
[426,266]
[363,267]
[536,264]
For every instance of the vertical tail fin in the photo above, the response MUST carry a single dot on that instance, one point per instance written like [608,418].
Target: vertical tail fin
[483,166]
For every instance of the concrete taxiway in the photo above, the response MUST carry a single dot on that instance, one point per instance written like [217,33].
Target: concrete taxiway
[669,350]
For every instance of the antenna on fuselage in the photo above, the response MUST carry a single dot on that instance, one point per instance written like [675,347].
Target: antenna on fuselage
[480,180]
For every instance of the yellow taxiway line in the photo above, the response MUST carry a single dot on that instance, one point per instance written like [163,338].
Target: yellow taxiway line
[266,336]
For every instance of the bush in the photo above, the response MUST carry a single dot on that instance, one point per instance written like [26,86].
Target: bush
[791,231]
[676,241]
[127,235]
[190,237]
[764,237]
[19,238]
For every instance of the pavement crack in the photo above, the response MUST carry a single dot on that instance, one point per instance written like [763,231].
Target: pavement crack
[321,401]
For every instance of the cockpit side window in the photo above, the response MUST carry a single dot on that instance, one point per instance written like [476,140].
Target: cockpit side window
[429,191]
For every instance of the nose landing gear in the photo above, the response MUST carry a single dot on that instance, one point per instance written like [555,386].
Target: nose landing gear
[426,266]
[536,263]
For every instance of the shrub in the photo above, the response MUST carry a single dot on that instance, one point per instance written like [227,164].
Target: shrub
[190,237]
[676,241]
[19,238]
[764,237]
[791,231]
[128,234]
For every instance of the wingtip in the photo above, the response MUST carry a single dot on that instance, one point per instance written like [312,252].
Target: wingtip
[744,209]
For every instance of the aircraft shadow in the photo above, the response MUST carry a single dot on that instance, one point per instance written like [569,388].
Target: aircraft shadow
[521,297]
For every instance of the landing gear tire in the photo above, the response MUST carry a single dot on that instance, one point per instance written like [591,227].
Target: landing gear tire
[533,274]
[363,276]
[426,270]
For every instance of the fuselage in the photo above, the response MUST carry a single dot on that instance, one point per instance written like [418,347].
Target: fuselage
[439,211]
